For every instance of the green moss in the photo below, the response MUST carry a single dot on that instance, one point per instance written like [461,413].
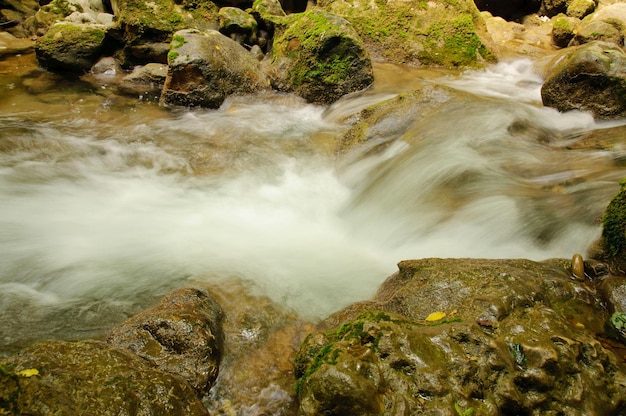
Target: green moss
[62,7]
[614,223]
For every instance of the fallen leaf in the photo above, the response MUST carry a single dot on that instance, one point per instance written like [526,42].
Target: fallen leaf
[29,372]
[436,316]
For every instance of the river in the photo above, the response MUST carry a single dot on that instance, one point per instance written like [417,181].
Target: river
[108,202]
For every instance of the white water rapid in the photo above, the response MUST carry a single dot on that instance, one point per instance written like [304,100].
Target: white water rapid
[103,208]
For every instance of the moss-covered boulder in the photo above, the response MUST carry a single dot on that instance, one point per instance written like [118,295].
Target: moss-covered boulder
[563,29]
[206,67]
[141,22]
[443,336]
[182,335]
[596,30]
[318,56]
[591,77]
[90,378]
[238,25]
[613,240]
[68,47]
[448,33]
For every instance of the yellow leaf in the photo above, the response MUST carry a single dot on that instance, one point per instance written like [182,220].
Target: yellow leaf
[29,372]
[217,47]
[435,316]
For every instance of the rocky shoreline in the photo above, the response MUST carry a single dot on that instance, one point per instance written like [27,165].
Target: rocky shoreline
[441,336]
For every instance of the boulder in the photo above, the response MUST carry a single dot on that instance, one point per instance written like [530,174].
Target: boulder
[319,57]
[612,244]
[449,335]
[442,33]
[206,67]
[154,22]
[591,77]
[580,8]
[90,377]
[182,335]
[596,31]
[563,29]
[10,45]
[68,47]
[238,25]
[145,82]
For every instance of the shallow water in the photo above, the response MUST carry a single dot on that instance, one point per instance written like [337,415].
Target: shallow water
[107,202]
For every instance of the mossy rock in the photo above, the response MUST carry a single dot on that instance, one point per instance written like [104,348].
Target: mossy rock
[507,337]
[157,20]
[563,29]
[614,231]
[238,25]
[448,33]
[68,47]
[90,377]
[318,56]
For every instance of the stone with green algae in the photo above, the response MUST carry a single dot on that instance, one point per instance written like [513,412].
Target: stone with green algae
[90,377]
[68,47]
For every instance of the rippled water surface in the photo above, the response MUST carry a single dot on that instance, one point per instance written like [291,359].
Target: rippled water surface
[108,202]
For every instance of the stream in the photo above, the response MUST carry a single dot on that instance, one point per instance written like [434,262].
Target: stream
[107,202]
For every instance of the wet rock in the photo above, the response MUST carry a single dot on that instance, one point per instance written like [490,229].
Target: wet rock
[182,335]
[206,67]
[238,25]
[596,31]
[612,244]
[10,45]
[319,57]
[449,34]
[512,337]
[563,29]
[145,81]
[591,77]
[613,291]
[68,47]
[90,377]
[261,340]
[574,8]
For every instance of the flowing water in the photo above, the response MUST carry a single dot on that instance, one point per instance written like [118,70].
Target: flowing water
[107,202]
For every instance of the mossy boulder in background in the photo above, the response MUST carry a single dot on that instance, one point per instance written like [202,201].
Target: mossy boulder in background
[318,56]
[613,241]
[238,25]
[449,33]
[68,47]
[90,378]
[591,77]
[563,29]
[206,67]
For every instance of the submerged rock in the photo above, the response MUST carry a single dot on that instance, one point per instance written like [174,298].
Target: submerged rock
[446,335]
[591,77]
[206,67]
[90,377]
[182,335]
[319,57]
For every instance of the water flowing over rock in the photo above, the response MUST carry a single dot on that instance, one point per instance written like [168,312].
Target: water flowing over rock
[319,57]
[497,336]
[591,77]
[445,33]
[182,335]
[206,67]
[90,377]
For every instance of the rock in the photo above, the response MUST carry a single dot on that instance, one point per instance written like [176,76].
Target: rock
[154,22]
[145,81]
[591,77]
[238,25]
[319,57]
[90,377]
[182,335]
[261,338]
[442,33]
[510,337]
[613,291]
[612,244]
[10,45]
[580,8]
[596,31]
[563,29]
[553,7]
[68,47]
[206,67]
